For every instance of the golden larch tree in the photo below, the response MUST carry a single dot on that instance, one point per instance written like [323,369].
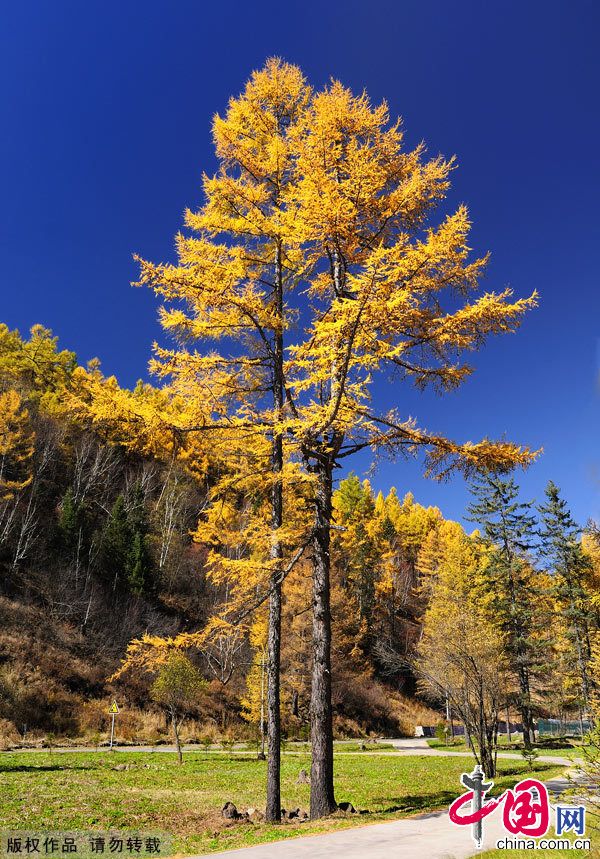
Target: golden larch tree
[229,289]
[388,290]
[16,445]
[315,266]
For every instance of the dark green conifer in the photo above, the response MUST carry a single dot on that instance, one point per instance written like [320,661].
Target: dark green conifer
[561,547]
[116,542]
[70,520]
[509,528]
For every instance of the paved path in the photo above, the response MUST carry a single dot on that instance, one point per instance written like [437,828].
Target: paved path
[402,746]
[428,836]
[419,746]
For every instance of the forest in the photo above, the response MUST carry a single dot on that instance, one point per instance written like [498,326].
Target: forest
[204,532]
[99,548]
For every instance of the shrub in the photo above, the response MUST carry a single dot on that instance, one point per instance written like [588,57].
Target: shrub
[9,736]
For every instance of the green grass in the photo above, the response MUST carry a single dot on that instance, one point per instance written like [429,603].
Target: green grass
[527,854]
[560,748]
[83,791]
[345,746]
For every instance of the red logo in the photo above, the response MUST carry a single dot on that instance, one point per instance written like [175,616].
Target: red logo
[526,808]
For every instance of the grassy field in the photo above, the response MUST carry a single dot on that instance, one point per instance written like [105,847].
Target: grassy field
[84,791]
[554,748]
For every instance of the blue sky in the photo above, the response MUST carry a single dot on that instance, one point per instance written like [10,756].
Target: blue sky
[106,111]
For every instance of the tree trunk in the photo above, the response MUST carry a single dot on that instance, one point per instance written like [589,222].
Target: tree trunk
[449,719]
[581,660]
[518,635]
[322,800]
[522,657]
[525,708]
[273,809]
[177,741]
[488,756]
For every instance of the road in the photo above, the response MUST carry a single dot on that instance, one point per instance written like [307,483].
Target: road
[428,836]
[418,746]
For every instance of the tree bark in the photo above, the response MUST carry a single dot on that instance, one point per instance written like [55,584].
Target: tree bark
[525,707]
[488,757]
[579,635]
[322,799]
[518,635]
[177,741]
[273,809]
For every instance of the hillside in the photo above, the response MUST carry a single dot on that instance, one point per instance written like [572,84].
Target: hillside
[96,549]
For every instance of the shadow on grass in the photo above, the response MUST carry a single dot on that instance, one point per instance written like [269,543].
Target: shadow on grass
[22,768]
[436,801]
[414,802]
[554,743]
[525,773]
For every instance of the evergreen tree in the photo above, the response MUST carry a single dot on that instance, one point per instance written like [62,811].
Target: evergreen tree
[509,528]
[70,520]
[136,509]
[139,562]
[561,547]
[115,546]
[139,568]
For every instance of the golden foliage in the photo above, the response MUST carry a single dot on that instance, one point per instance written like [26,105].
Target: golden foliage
[16,444]
[318,200]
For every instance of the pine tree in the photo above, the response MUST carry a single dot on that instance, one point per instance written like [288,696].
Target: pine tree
[70,520]
[569,565]
[509,528]
[115,545]
[139,567]
[139,561]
